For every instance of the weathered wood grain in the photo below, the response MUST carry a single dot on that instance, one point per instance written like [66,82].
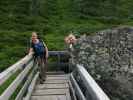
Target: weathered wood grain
[52,86]
[11,70]
[56,81]
[57,78]
[56,87]
[52,97]
[10,90]
[50,92]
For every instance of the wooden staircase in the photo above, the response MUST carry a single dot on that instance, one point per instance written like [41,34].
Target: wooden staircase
[56,87]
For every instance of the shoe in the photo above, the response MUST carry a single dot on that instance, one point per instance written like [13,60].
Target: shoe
[41,81]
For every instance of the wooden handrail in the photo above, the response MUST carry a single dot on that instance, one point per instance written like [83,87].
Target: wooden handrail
[12,87]
[55,53]
[11,70]
[92,87]
[26,84]
[25,64]
[31,87]
[78,91]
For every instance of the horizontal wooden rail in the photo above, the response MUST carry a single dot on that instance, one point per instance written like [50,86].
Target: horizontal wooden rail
[93,88]
[24,65]
[12,87]
[31,87]
[11,70]
[26,84]
[55,53]
[77,89]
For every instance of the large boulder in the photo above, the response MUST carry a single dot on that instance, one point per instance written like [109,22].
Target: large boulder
[108,57]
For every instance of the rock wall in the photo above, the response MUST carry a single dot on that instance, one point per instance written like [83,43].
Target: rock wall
[108,57]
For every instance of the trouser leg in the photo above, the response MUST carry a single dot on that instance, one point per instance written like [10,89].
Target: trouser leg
[42,66]
[45,67]
[40,69]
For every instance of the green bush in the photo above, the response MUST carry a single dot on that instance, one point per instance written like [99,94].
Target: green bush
[53,20]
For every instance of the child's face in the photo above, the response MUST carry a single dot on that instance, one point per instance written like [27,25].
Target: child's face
[34,37]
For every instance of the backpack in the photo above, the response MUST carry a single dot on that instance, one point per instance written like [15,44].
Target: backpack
[39,48]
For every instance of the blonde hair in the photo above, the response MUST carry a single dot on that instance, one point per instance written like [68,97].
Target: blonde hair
[70,39]
[34,34]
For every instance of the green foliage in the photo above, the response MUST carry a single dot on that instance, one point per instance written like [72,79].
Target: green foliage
[106,8]
[13,47]
[53,20]
[8,82]
[55,41]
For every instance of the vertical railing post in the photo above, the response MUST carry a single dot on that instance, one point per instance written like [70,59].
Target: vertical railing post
[58,55]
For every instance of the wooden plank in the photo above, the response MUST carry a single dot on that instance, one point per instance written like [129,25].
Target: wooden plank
[11,70]
[56,81]
[49,97]
[52,86]
[50,92]
[93,88]
[55,73]
[77,89]
[55,53]
[24,88]
[68,96]
[10,90]
[57,78]
[72,92]
[31,87]
[65,75]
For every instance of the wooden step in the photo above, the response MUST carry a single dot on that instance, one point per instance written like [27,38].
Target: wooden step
[52,86]
[67,75]
[55,87]
[57,78]
[50,92]
[51,97]
[55,73]
[56,81]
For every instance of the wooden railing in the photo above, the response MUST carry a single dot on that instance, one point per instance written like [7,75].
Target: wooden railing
[83,83]
[85,86]
[26,68]
[26,77]
[59,55]
[11,70]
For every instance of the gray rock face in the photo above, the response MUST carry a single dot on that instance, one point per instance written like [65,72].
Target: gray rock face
[108,57]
